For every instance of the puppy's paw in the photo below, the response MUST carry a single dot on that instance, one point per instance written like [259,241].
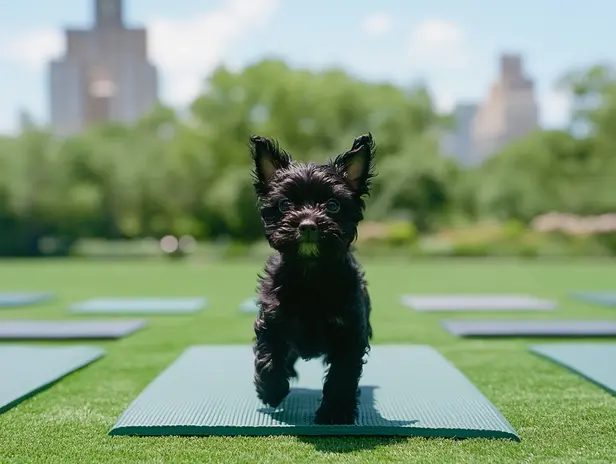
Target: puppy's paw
[335,415]
[272,388]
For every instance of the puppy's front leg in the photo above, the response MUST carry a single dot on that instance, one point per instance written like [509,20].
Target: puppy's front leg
[271,377]
[340,390]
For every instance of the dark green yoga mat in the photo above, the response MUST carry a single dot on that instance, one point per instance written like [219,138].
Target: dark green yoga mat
[596,362]
[26,370]
[405,391]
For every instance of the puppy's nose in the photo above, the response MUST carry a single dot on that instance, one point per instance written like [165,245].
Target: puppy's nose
[308,229]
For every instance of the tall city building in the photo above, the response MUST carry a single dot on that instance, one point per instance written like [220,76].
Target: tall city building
[458,143]
[509,111]
[104,75]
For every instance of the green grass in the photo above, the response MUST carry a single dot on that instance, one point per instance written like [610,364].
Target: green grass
[559,416]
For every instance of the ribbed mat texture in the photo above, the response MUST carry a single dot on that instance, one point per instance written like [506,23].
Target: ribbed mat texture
[405,391]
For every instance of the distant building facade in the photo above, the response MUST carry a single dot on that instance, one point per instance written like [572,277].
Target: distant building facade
[105,74]
[458,143]
[509,112]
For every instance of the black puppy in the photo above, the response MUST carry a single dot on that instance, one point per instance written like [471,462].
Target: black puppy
[312,297]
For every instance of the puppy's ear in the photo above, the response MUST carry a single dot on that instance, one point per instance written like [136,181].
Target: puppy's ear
[356,165]
[268,158]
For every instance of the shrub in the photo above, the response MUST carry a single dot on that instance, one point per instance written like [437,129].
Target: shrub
[401,233]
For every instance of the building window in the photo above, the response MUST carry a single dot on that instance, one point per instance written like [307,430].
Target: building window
[102,89]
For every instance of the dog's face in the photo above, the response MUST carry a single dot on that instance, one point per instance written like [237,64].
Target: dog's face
[311,210]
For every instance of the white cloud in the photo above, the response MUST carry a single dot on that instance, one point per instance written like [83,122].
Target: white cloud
[555,107]
[184,50]
[444,101]
[437,45]
[35,48]
[377,24]
[7,124]
[187,50]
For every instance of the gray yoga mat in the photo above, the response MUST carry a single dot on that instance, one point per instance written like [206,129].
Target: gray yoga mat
[148,305]
[530,328]
[487,302]
[249,305]
[596,362]
[18,299]
[67,330]
[422,395]
[598,298]
[27,370]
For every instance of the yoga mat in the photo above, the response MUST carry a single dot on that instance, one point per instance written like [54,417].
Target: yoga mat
[405,391]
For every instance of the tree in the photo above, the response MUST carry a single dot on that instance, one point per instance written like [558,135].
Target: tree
[548,171]
[171,175]
[587,89]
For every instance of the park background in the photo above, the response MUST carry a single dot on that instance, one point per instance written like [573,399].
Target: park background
[163,206]
[551,193]
[182,168]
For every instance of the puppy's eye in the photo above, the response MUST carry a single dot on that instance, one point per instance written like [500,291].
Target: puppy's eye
[333,206]
[284,206]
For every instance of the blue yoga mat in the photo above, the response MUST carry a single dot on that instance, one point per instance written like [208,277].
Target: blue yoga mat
[598,298]
[18,299]
[27,370]
[596,362]
[68,329]
[148,305]
[249,305]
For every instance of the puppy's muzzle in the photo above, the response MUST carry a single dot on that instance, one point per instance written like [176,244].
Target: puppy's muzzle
[308,230]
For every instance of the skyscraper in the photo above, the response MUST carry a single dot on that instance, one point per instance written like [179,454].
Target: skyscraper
[509,112]
[105,74]
[458,143]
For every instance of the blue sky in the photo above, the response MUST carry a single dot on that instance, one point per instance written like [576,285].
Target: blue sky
[453,45]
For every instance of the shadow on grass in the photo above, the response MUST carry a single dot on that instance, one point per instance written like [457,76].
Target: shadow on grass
[299,410]
[349,444]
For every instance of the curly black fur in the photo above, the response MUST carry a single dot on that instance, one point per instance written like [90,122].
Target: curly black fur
[312,296]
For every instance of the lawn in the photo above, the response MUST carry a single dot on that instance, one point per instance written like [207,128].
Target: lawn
[559,417]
